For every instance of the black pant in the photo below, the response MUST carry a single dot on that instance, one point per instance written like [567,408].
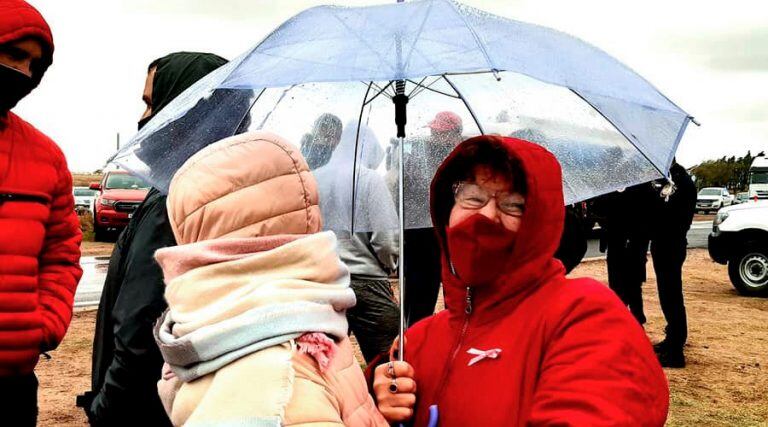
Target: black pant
[375,319]
[626,259]
[668,253]
[18,400]
[422,273]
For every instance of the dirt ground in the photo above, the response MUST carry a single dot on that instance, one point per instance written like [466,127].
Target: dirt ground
[96,248]
[724,384]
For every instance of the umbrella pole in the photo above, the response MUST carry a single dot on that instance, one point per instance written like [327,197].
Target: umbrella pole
[401,267]
[401,101]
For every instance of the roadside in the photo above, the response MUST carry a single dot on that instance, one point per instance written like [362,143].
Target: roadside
[724,384]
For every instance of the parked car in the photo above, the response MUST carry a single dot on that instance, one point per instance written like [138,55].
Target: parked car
[119,195]
[84,198]
[711,199]
[739,238]
[742,197]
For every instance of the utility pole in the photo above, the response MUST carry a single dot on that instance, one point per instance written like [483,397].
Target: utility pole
[118,140]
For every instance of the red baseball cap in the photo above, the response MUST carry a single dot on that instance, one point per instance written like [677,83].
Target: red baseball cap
[445,121]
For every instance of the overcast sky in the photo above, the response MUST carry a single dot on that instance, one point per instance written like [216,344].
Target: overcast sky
[710,58]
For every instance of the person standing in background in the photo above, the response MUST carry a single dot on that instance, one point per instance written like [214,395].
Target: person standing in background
[39,230]
[668,251]
[627,234]
[126,362]
[422,250]
[371,252]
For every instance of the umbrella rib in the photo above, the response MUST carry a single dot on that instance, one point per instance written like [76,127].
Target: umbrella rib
[474,34]
[466,104]
[368,101]
[269,114]
[620,131]
[354,160]
[416,39]
[361,39]
[418,85]
[248,111]
[435,90]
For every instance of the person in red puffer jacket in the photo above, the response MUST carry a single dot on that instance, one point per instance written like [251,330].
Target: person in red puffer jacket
[519,343]
[39,230]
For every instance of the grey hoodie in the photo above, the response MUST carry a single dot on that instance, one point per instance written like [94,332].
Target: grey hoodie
[372,252]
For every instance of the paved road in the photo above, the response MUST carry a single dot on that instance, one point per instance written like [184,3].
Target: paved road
[89,289]
[95,268]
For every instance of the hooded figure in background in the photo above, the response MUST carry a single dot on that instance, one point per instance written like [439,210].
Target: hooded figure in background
[126,361]
[318,145]
[519,343]
[39,229]
[371,253]
[256,295]
[422,256]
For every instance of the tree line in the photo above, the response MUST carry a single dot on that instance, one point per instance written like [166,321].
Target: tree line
[731,172]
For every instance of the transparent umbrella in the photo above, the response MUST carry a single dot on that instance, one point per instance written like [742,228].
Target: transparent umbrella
[330,74]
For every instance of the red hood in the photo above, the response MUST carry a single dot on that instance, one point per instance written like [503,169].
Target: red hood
[532,260]
[18,19]
[125,195]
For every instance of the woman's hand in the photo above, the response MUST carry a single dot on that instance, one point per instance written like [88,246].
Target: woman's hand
[395,390]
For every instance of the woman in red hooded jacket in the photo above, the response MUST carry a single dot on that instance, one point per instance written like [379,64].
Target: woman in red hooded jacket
[519,344]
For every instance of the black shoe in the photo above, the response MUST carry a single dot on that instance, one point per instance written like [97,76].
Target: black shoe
[670,357]
[660,346]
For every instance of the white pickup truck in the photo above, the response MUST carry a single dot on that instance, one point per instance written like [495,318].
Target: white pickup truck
[739,238]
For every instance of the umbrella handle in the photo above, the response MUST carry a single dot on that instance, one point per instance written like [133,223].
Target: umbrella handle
[433,417]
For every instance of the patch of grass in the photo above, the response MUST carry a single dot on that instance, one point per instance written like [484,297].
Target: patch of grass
[85,179]
[86,225]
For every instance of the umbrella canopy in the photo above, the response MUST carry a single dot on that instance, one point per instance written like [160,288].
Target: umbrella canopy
[466,72]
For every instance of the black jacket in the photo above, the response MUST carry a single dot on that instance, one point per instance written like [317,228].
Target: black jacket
[573,243]
[126,362]
[674,216]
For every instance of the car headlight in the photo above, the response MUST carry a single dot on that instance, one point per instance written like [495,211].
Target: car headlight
[721,216]
[107,202]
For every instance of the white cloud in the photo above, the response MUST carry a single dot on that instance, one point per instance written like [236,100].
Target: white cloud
[689,49]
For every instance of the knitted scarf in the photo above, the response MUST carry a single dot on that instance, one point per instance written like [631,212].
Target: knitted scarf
[228,298]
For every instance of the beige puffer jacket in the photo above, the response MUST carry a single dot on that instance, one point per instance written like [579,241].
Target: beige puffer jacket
[246,186]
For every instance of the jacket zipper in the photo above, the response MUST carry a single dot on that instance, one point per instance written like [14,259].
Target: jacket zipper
[459,341]
[11,197]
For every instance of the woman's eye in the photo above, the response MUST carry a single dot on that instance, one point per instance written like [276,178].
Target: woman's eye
[475,200]
[512,208]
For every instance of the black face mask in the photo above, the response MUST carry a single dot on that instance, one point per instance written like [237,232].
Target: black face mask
[14,85]
[144,121]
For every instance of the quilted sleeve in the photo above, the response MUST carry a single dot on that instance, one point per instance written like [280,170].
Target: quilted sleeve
[59,261]
[599,368]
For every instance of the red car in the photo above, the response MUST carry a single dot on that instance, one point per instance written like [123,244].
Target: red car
[119,195]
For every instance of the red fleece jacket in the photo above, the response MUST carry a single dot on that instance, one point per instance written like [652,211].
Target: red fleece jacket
[571,354]
[39,230]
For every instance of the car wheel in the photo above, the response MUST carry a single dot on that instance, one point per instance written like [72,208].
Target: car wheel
[749,271]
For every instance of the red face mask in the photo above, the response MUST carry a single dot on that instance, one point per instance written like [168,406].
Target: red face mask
[479,248]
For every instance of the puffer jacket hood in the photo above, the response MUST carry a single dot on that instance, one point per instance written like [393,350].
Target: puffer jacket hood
[18,20]
[532,260]
[249,185]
